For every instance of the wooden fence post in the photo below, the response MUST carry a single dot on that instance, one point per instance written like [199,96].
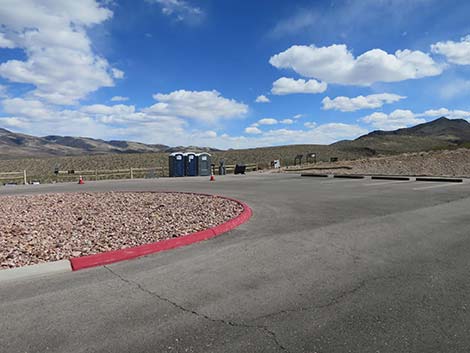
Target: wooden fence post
[24,175]
[132,174]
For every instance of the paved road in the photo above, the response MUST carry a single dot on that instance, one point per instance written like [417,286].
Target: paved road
[323,266]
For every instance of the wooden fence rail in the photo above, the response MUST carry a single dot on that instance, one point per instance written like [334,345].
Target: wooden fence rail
[97,174]
[9,176]
[230,168]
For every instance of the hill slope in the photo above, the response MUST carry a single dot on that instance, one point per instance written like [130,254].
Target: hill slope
[15,145]
[441,133]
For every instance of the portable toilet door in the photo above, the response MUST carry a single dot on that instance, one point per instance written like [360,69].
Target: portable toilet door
[176,160]
[204,164]
[190,161]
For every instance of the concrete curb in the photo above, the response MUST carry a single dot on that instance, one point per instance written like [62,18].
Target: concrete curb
[348,176]
[447,180]
[79,263]
[391,177]
[315,175]
[35,270]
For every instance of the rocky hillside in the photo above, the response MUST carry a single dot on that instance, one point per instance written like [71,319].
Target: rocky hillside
[15,145]
[441,133]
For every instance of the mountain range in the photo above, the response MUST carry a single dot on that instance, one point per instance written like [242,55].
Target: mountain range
[438,134]
[16,145]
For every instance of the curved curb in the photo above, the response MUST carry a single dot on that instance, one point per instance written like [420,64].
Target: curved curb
[106,258]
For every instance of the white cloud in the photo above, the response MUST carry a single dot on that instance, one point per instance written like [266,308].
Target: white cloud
[119,74]
[60,61]
[125,122]
[262,99]
[253,130]
[119,99]
[310,125]
[346,104]
[99,121]
[179,9]
[297,116]
[286,85]
[5,42]
[102,109]
[287,121]
[336,64]
[455,52]
[207,106]
[267,121]
[451,114]
[323,134]
[396,120]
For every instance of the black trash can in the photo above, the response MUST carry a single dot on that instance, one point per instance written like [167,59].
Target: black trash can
[176,164]
[190,164]
[204,164]
[239,169]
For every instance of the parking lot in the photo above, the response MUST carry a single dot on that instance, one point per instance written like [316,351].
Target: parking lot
[324,265]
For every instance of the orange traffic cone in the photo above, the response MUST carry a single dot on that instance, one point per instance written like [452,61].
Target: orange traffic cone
[212,177]
[80,180]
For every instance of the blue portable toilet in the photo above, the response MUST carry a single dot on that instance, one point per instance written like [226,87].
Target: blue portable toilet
[204,164]
[176,164]
[190,164]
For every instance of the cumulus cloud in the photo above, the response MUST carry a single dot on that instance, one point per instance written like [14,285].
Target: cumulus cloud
[117,73]
[336,64]
[346,104]
[207,106]
[119,99]
[60,61]
[455,52]
[253,130]
[286,85]
[98,120]
[262,99]
[451,114]
[267,121]
[287,121]
[310,124]
[322,134]
[396,120]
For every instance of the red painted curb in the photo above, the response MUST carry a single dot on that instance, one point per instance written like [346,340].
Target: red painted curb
[80,263]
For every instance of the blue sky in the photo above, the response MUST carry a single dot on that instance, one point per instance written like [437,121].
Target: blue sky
[231,74]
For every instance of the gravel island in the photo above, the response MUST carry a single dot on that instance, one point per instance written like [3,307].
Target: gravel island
[50,227]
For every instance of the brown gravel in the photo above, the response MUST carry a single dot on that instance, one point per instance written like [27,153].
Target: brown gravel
[50,227]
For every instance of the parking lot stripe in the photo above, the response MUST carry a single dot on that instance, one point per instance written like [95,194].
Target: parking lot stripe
[386,183]
[436,186]
[340,181]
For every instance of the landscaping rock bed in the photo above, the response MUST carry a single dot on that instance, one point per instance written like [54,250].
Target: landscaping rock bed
[50,227]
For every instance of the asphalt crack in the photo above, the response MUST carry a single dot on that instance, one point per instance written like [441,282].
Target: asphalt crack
[271,334]
[334,301]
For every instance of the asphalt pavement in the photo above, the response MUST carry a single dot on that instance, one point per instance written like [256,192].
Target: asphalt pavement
[324,265]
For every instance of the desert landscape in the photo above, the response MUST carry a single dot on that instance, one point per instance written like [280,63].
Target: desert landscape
[436,148]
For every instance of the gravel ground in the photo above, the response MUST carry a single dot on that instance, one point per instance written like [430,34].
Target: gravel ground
[50,227]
